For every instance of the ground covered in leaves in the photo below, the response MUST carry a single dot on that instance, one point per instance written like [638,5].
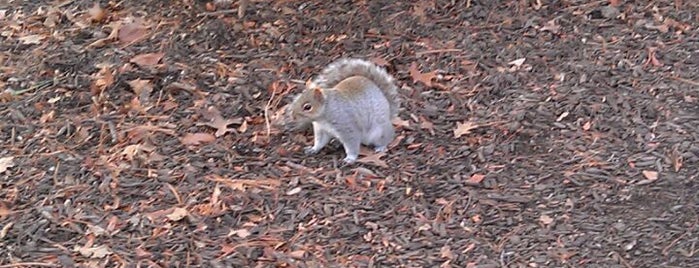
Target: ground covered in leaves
[532,134]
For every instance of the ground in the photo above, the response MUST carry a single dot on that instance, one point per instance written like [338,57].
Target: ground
[531,134]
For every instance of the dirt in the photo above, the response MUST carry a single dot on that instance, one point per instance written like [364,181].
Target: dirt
[531,134]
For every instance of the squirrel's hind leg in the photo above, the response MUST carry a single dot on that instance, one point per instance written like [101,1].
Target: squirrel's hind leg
[382,135]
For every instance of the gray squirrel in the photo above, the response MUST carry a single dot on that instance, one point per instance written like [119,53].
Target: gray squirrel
[353,101]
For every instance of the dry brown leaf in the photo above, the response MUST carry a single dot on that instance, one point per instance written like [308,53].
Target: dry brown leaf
[294,191]
[549,26]
[545,219]
[426,124]
[219,123]
[132,32]
[400,122]
[33,39]
[587,125]
[297,254]
[102,80]
[197,138]
[464,128]
[650,176]
[6,163]
[425,78]
[517,62]
[476,178]
[97,13]
[141,87]
[94,252]
[148,59]
[242,233]
[445,252]
[374,159]
[177,214]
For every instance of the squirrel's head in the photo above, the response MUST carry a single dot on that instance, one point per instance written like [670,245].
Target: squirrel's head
[308,105]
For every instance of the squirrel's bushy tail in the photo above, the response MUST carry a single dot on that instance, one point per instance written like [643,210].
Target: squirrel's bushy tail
[341,69]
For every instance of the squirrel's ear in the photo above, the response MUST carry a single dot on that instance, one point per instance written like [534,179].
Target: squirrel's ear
[318,94]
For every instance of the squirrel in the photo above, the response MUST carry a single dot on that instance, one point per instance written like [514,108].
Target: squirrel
[351,100]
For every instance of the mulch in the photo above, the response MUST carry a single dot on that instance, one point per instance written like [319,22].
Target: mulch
[531,134]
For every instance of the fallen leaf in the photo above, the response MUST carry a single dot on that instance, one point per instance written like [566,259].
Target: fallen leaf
[464,128]
[545,219]
[148,59]
[132,32]
[197,138]
[102,80]
[294,191]
[242,233]
[94,252]
[374,159]
[651,176]
[33,39]
[517,62]
[549,26]
[445,252]
[587,126]
[297,254]
[219,123]
[400,122]
[177,214]
[6,163]
[425,78]
[476,178]
[141,87]
[426,124]
[97,13]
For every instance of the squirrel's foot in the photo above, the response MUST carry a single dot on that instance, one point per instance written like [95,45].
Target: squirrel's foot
[310,150]
[350,159]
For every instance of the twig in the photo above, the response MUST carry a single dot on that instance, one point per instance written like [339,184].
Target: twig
[269,102]
[691,82]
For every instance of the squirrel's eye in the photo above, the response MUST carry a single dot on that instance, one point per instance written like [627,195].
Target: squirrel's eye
[307,107]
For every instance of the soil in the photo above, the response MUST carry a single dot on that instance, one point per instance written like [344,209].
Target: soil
[531,134]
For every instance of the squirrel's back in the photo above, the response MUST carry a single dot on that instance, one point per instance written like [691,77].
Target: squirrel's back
[340,70]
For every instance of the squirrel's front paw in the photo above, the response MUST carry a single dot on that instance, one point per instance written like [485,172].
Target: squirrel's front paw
[310,150]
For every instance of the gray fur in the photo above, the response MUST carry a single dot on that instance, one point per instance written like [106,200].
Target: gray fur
[348,67]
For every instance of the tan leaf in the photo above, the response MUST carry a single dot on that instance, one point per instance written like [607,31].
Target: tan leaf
[545,219]
[97,13]
[297,254]
[132,32]
[177,214]
[400,122]
[464,128]
[6,163]
[102,80]
[517,62]
[33,39]
[94,252]
[374,159]
[148,59]
[425,78]
[130,151]
[219,123]
[476,178]
[197,138]
[294,191]
[587,125]
[651,176]
[446,253]
[141,87]
[242,233]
